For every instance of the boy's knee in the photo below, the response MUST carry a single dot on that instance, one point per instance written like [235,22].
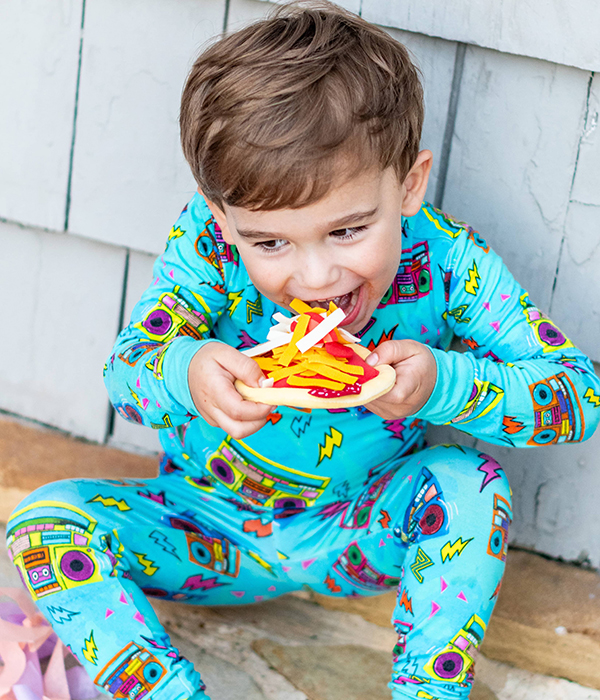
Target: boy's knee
[472,467]
[49,538]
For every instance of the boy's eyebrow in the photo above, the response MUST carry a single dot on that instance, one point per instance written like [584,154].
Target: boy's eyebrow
[332,225]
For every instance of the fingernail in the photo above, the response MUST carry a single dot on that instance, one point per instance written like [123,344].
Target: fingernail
[373,359]
[266,382]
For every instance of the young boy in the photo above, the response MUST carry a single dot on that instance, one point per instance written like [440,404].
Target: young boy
[303,131]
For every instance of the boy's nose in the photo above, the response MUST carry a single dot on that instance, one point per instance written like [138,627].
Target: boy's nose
[318,276]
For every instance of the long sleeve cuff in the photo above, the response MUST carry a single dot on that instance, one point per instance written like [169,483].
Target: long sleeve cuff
[176,366]
[453,386]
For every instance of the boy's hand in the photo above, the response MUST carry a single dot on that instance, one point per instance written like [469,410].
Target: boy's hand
[416,373]
[211,375]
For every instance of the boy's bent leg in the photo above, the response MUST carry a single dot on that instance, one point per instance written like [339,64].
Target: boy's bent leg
[452,537]
[63,538]
[434,527]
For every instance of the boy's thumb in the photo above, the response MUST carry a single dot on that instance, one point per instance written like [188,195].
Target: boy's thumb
[249,372]
[390,352]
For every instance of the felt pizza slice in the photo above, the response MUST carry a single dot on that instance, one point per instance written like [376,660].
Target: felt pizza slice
[308,362]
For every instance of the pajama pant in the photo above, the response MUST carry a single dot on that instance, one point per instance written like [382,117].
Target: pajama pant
[432,525]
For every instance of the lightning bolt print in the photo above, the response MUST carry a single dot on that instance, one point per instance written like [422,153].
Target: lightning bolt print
[405,602]
[490,468]
[450,549]
[257,526]
[60,615]
[136,398]
[472,284]
[395,426]
[199,583]
[592,398]
[246,341]
[162,541]
[109,502]
[511,425]
[385,519]
[175,233]
[332,584]
[253,308]
[259,560]
[234,298]
[458,314]
[386,335]
[422,561]
[332,439]
[274,417]
[90,649]
[148,569]
[300,424]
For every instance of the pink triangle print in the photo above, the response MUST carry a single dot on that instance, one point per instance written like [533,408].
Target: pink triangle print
[461,596]
[504,297]
[308,562]
[238,594]
[123,598]
[434,608]
[496,326]
[424,329]
[109,612]
[381,543]
[486,306]
[443,584]
[139,617]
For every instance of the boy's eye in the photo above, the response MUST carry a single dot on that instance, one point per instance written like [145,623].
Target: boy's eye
[347,233]
[271,246]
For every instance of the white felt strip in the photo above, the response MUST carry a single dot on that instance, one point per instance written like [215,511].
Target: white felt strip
[280,318]
[275,333]
[265,347]
[318,333]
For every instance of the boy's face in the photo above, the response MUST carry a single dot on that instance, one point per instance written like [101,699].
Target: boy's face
[344,248]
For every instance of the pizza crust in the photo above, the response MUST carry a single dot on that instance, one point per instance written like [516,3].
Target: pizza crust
[298,397]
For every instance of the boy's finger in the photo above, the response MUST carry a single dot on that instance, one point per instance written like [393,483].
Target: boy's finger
[391,352]
[238,429]
[237,408]
[242,367]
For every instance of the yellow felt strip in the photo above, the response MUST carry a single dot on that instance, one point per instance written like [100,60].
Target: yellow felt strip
[282,372]
[299,306]
[306,381]
[336,364]
[333,373]
[266,362]
[291,351]
[332,308]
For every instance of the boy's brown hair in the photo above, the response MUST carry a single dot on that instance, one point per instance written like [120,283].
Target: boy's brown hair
[275,114]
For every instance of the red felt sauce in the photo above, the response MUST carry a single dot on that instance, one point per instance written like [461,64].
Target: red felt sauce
[332,393]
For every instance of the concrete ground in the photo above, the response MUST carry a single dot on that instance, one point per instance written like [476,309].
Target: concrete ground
[293,648]
[545,629]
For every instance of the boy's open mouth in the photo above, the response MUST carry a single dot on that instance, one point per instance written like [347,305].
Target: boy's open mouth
[349,303]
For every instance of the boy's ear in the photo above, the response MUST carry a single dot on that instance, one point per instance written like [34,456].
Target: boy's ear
[415,183]
[220,218]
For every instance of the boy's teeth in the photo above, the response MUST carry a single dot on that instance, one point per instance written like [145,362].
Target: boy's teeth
[342,301]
